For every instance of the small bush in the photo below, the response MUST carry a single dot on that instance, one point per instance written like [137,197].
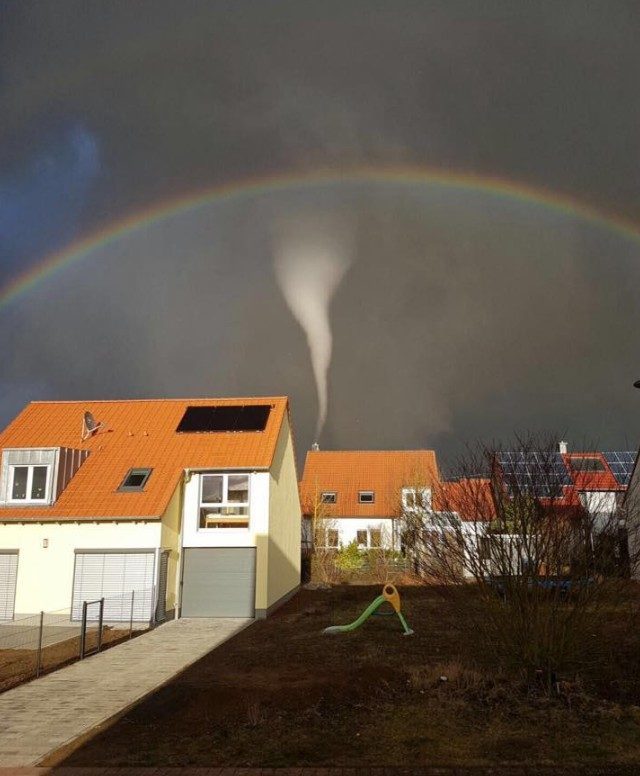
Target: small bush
[349,559]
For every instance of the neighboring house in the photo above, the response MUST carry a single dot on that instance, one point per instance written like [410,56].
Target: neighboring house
[631,511]
[192,504]
[593,481]
[574,486]
[360,494]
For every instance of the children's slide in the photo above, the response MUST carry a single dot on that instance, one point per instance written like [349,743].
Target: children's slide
[389,594]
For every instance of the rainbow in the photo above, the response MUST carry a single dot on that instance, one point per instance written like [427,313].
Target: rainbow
[76,251]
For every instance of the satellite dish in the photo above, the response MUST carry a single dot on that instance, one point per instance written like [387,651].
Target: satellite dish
[89,426]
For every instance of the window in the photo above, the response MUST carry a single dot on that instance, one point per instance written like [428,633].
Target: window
[587,464]
[414,498]
[409,497]
[366,497]
[361,538]
[375,537]
[224,501]
[135,480]
[328,497]
[28,483]
[332,537]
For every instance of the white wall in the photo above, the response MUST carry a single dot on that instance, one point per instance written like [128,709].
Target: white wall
[255,536]
[45,574]
[194,536]
[349,526]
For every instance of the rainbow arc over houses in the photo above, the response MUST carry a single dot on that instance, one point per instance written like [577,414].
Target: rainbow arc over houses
[251,187]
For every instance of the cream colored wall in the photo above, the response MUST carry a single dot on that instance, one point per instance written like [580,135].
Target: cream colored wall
[285,519]
[170,540]
[45,574]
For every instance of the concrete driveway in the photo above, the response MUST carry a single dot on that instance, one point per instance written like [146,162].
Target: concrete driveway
[47,713]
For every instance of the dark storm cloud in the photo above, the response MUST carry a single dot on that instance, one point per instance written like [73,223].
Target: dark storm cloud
[185,94]
[41,203]
[458,318]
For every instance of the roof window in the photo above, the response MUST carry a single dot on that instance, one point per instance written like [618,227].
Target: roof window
[587,464]
[328,497]
[366,497]
[135,480]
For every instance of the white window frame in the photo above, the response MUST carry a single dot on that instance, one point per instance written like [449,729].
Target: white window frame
[362,493]
[370,530]
[332,497]
[226,503]
[421,500]
[30,467]
[326,539]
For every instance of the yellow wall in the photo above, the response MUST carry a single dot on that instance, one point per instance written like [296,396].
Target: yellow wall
[45,574]
[285,520]
[170,540]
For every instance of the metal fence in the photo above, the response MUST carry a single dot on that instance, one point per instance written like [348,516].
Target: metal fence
[36,644]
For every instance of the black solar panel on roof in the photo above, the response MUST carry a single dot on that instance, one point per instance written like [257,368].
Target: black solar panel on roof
[621,464]
[230,417]
[540,473]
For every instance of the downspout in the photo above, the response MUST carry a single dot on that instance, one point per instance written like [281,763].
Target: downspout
[178,590]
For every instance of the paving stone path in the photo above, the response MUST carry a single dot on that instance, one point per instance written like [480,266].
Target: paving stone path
[39,717]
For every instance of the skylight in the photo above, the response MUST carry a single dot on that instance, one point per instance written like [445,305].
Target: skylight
[135,480]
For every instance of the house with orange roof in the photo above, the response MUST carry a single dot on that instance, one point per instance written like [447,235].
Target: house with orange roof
[184,506]
[361,493]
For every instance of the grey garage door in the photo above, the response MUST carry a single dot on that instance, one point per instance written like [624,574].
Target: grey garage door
[219,582]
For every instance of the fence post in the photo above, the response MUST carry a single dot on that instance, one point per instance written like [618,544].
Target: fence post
[152,613]
[133,592]
[83,629]
[39,658]
[100,619]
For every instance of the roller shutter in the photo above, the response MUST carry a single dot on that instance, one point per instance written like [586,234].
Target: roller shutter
[8,577]
[219,582]
[114,576]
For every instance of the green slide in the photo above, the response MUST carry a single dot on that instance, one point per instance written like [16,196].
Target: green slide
[365,616]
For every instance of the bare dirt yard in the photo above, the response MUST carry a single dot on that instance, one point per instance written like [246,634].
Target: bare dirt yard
[19,665]
[282,694]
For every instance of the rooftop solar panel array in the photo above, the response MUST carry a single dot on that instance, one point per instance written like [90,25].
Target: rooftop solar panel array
[229,417]
[541,473]
[621,465]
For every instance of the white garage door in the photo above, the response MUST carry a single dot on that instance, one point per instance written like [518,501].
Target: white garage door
[8,577]
[114,576]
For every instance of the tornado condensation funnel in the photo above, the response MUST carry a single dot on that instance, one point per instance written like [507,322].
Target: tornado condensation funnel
[310,260]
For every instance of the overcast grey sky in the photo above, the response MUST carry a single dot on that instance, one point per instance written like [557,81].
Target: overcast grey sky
[462,315]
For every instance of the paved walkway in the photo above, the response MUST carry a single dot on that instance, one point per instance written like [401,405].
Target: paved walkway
[43,715]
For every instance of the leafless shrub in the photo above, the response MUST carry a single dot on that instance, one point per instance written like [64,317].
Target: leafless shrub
[319,539]
[547,567]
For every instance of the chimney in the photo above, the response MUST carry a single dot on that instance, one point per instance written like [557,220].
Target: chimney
[562,447]
[315,446]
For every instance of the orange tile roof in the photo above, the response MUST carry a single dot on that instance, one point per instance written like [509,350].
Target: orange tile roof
[349,471]
[134,434]
[471,498]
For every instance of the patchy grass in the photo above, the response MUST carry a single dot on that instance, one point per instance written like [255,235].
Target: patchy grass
[281,693]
